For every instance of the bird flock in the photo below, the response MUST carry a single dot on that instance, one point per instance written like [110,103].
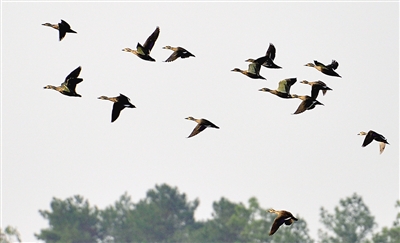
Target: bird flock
[68,88]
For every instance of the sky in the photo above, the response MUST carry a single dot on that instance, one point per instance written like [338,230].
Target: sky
[58,146]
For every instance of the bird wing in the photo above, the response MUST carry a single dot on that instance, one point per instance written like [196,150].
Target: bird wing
[254,68]
[284,85]
[173,57]
[71,83]
[271,51]
[185,54]
[315,90]
[65,24]
[302,107]
[277,223]
[382,146]
[333,65]
[207,123]
[74,74]
[148,45]
[368,138]
[199,128]
[117,108]
[318,63]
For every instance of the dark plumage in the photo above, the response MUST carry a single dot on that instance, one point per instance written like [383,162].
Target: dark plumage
[69,85]
[328,69]
[371,135]
[282,217]
[144,51]
[177,52]
[307,103]
[201,125]
[62,28]
[120,102]
[283,90]
[316,86]
[267,60]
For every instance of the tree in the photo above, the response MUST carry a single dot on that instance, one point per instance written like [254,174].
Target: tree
[351,222]
[8,235]
[70,220]
[389,235]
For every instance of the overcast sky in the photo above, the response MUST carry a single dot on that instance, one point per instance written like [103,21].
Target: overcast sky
[59,146]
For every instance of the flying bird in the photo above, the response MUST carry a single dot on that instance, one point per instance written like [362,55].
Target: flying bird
[62,28]
[316,86]
[144,51]
[307,103]
[282,217]
[283,88]
[120,102]
[201,125]
[267,60]
[328,69]
[177,52]
[371,135]
[69,85]
[253,71]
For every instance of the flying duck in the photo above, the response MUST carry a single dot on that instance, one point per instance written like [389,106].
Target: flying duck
[253,71]
[201,125]
[267,60]
[177,52]
[283,88]
[69,85]
[371,135]
[307,103]
[316,86]
[282,217]
[120,102]
[144,51]
[328,69]
[62,28]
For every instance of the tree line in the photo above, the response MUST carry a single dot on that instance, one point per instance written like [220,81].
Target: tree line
[166,215]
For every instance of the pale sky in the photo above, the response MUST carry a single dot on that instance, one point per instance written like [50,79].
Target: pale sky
[59,146]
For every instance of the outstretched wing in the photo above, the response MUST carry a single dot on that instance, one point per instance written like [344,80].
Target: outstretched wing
[284,85]
[148,45]
[199,128]
[368,138]
[333,65]
[117,108]
[275,226]
[74,74]
[173,57]
[254,68]
[271,51]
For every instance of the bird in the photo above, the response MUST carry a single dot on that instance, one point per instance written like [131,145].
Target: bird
[307,103]
[283,88]
[328,69]
[144,51]
[177,52]
[120,102]
[69,85]
[62,28]
[201,125]
[253,71]
[316,86]
[371,135]
[282,217]
[267,60]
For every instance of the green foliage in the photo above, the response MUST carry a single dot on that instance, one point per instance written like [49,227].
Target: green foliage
[351,222]
[389,235]
[72,220]
[9,234]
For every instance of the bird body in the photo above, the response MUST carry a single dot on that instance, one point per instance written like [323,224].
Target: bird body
[282,217]
[201,125]
[253,71]
[307,103]
[143,51]
[325,69]
[267,60]
[69,85]
[62,27]
[177,52]
[316,86]
[372,135]
[283,90]
[120,102]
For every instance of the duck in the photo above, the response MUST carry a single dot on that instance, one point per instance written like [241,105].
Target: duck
[316,86]
[282,217]
[253,71]
[143,52]
[69,85]
[267,60]
[63,28]
[201,125]
[177,52]
[328,69]
[283,88]
[120,102]
[308,103]
[372,135]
